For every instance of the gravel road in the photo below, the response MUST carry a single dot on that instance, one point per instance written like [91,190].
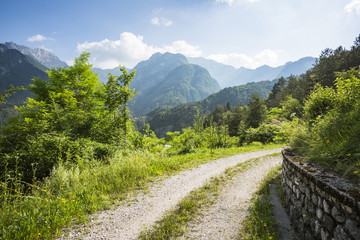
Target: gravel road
[146,207]
[223,219]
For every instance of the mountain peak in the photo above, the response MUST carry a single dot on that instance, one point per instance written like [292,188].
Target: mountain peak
[44,56]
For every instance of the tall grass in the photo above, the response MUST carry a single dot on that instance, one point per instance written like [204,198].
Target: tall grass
[261,224]
[42,209]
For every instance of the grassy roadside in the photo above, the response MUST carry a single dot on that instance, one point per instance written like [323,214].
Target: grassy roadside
[72,192]
[175,222]
[261,224]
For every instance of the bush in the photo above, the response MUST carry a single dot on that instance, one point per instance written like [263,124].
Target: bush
[332,133]
[265,133]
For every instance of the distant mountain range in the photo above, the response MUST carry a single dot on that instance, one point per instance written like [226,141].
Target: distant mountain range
[43,56]
[228,76]
[168,80]
[162,80]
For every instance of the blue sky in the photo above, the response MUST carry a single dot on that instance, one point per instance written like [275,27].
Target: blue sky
[246,33]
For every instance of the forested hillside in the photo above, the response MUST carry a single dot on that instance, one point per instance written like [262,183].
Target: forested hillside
[166,119]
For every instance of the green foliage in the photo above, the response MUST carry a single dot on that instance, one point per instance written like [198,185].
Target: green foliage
[331,136]
[72,118]
[165,119]
[7,93]
[257,111]
[42,209]
[265,133]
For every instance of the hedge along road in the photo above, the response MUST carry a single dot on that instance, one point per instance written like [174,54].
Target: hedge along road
[146,207]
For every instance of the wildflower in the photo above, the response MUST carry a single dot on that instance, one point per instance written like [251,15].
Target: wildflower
[44,190]
[70,193]
[348,155]
[356,171]
[63,200]
[328,141]
[264,224]
[270,237]
[73,200]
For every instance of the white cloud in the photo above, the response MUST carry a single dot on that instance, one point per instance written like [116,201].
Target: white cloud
[155,21]
[129,50]
[353,5]
[267,56]
[225,1]
[184,48]
[38,38]
[230,2]
[161,21]
[70,62]
[43,47]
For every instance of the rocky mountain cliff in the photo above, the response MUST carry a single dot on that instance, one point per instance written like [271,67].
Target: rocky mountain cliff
[43,56]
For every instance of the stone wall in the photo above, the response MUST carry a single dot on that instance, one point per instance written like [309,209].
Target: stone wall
[321,205]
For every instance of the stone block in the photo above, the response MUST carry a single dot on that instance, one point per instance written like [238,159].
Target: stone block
[347,208]
[324,234]
[314,199]
[337,215]
[311,208]
[340,234]
[326,207]
[329,222]
[302,187]
[308,193]
[353,228]
[319,213]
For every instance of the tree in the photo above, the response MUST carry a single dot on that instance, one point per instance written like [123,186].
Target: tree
[70,98]
[8,93]
[257,111]
[273,98]
[117,96]
[73,117]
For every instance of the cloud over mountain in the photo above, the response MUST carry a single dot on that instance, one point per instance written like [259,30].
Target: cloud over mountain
[129,50]
[267,56]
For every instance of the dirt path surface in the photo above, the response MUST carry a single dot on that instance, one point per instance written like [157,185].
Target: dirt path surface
[223,219]
[127,220]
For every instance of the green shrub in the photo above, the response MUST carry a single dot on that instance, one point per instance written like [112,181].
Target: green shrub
[332,133]
[265,133]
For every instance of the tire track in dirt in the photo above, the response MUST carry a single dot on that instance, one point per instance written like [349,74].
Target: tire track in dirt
[223,219]
[146,207]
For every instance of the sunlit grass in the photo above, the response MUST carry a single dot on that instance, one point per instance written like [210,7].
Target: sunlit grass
[261,224]
[72,192]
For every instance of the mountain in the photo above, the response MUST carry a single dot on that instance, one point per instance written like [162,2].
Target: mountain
[164,119]
[103,73]
[17,69]
[168,80]
[43,56]
[221,72]
[228,76]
